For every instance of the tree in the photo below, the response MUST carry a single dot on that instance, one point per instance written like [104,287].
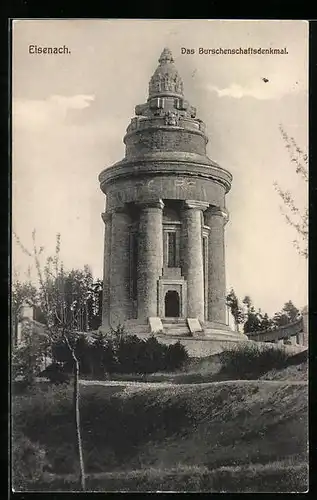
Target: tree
[235,308]
[94,305]
[267,323]
[291,311]
[247,302]
[254,321]
[288,314]
[59,312]
[294,216]
[76,288]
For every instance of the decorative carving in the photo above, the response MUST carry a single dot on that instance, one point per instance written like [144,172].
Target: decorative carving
[141,109]
[192,112]
[184,183]
[171,118]
[166,56]
[151,187]
[120,196]
[179,86]
[167,82]
[138,186]
[166,77]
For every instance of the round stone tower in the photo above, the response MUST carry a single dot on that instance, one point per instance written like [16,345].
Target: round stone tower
[164,259]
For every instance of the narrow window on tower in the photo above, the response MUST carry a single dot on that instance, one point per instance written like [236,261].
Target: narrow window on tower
[171,245]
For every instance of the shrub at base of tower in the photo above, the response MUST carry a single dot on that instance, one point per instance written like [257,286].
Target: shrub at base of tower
[117,353]
[251,361]
[135,355]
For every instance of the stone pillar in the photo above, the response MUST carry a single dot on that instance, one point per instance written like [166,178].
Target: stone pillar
[192,257]
[120,304]
[106,217]
[216,219]
[150,258]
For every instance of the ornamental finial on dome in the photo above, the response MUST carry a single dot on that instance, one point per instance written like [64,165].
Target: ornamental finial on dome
[166,80]
[166,56]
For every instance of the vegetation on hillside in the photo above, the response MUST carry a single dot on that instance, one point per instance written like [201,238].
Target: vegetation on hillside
[206,437]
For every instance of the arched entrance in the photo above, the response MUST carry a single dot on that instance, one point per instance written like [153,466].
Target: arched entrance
[172,304]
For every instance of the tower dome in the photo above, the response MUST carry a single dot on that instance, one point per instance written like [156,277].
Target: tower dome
[166,80]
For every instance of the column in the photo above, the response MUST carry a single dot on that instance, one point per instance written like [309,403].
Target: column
[192,257]
[106,217]
[216,219]
[150,261]
[120,303]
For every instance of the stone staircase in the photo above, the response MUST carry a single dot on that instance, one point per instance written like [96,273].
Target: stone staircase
[178,327]
[175,326]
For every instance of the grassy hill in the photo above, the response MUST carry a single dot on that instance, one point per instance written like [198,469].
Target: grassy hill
[220,436]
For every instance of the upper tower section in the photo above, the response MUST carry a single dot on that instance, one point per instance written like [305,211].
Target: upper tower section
[166,80]
[166,122]
[165,156]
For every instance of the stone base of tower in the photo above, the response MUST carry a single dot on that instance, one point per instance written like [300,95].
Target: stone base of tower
[213,338]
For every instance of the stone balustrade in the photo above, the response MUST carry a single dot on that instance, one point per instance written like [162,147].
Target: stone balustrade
[283,333]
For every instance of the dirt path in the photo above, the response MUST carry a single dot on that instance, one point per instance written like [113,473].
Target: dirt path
[130,383]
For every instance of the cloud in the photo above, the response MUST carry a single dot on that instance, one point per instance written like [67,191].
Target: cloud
[80,101]
[38,113]
[273,88]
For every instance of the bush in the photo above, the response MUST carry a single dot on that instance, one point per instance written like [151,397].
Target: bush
[177,356]
[56,374]
[135,355]
[119,352]
[248,360]
[28,462]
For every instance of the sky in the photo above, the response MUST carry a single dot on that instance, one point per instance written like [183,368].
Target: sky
[70,113]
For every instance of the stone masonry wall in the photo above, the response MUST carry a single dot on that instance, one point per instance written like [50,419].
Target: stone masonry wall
[173,187]
[153,140]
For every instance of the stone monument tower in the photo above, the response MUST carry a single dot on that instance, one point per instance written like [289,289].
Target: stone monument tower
[164,260]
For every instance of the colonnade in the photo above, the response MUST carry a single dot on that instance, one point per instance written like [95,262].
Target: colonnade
[117,306]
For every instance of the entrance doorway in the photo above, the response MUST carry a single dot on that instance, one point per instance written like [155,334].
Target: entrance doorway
[172,304]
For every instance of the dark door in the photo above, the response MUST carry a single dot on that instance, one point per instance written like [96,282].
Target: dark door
[172,304]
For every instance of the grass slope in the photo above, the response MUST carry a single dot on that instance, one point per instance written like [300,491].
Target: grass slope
[210,369]
[222,436]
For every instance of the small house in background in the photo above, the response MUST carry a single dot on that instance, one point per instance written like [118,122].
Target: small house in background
[26,322]
[25,314]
